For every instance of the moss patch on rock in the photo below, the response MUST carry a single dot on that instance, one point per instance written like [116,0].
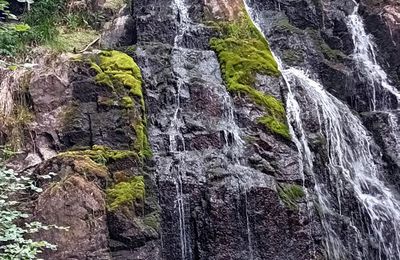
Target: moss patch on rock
[324,48]
[291,194]
[125,193]
[119,71]
[102,154]
[243,53]
[275,125]
[116,69]
[86,165]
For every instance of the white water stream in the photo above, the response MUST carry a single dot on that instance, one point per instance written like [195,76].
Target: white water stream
[351,165]
[365,57]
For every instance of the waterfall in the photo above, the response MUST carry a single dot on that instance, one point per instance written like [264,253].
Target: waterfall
[365,58]
[174,132]
[394,128]
[180,155]
[351,168]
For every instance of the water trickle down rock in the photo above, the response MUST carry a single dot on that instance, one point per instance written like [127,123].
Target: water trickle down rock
[349,171]
[209,175]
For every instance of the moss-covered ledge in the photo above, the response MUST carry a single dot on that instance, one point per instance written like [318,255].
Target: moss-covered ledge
[120,73]
[102,154]
[243,53]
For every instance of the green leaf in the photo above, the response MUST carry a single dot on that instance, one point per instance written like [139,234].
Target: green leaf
[22,27]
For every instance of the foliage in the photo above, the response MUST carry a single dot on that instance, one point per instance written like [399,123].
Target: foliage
[44,21]
[125,193]
[243,53]
[15,228]
[291,194]
[4,9]
[12,38]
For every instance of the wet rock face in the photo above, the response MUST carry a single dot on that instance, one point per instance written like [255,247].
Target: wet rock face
[155,21]
[218,169]
[382,19]
[385,128]
[214,185]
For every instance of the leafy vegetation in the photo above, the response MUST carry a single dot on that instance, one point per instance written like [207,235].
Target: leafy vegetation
[48,23]
[243,53]
[15,226]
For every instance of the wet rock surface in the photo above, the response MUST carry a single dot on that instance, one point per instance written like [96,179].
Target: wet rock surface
[213,187]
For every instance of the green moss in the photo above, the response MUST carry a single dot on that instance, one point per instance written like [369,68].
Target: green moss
[243,53]
[292,56]
[125,193]
[84,164]
[127,102]
[116,69]
[152,220]
[291,194]
[142,143]
[275,126]
[101,154]
[284,25]
[328,52]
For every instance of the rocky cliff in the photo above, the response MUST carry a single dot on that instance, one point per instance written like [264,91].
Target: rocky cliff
[215,129]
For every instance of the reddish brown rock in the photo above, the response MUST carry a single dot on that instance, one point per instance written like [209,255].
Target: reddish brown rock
[76,203]
[223,9]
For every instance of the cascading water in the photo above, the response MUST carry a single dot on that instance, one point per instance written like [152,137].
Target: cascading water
[351,168]
[365,58]
[175,168]
[175,134]
[394,130]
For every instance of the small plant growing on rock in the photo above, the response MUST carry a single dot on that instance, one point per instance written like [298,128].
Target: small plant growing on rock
[291,195]
[15,227]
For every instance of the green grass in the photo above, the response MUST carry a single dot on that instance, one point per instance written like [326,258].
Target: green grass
[69,41]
